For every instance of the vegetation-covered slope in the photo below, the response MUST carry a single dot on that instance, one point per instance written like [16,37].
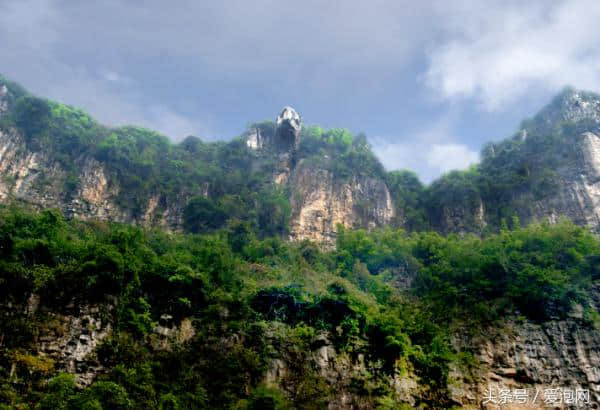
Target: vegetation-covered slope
[523,175]
[97,314]
[212,181]
[249,301]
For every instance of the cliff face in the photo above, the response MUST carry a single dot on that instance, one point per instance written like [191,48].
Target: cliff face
[38,179]
[548,170]
[538,357]
[319,200]
[577,196]
[578,193]
[535,357]
[521,355]
[320,203]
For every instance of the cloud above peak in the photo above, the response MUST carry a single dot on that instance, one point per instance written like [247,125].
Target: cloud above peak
[496,52]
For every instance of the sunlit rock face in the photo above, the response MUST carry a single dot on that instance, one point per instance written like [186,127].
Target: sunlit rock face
[321,203]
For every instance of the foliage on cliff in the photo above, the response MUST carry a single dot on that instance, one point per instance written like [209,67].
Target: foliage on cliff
[338,150]
[143,163]
[515,171]
[248,298]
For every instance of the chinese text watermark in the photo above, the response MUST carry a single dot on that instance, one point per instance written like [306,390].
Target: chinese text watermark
[544,397]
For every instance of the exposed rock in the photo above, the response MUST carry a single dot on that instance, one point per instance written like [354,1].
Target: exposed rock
[320,203]
[285,137]
[578,193]
[170,333]
[255,140]
[460,219]
[288,129]
[340,371]
[36,178]
[571,105]
[3,99]
[72,338]
[558,354]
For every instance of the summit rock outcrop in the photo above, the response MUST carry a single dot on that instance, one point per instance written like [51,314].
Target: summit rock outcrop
[548,170]
[289,125]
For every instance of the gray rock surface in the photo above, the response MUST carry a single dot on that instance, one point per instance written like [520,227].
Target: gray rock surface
[524,355]
[289,125]
[3,99]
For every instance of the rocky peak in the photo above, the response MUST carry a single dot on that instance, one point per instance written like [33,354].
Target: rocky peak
[570,105]
[289,125]
[284,137]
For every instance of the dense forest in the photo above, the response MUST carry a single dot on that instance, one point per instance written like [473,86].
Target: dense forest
[256,296]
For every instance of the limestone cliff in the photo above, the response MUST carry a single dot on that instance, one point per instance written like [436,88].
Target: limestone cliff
[577,193]
[88,185]
[535,358]
[578,188]
[38,179]
[67,341]
[520,355]
[319,199]
[320,203]
[548,170]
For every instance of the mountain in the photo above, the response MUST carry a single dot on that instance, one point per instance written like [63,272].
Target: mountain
[287,268]
[135,175]
[304,180]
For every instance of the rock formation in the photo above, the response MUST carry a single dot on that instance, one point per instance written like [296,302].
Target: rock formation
[575,183]
[286,141]
[521,355]
[319,200]
[3,99]
[320,203]
[535,357]
[289,125]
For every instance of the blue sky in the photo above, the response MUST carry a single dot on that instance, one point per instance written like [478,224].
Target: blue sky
[429,83]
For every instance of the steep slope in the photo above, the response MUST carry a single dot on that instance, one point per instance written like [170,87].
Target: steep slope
[234,315]
[105,315]
[549,169]
[53,155]
[333,178]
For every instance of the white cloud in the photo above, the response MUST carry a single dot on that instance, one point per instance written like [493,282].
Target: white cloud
[430,152]
[122,105]
[446,157]
[497,51]
[36,42]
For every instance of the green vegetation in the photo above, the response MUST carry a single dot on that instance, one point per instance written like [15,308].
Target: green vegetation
[338,151]
[252,299]
[144,164]
[238,295]
[512,173]
[408,194]
[220,181]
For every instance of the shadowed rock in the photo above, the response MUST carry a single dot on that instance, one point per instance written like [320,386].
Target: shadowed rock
[289,125]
